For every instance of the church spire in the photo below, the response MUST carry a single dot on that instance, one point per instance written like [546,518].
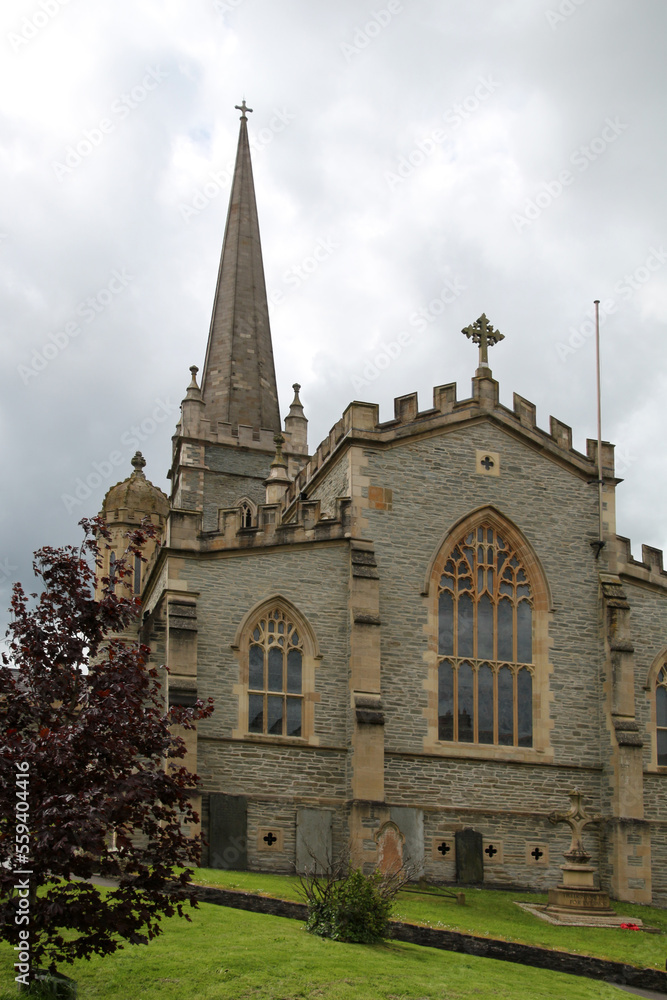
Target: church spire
[239,379]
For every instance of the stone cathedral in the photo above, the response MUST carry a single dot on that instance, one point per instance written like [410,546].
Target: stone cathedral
[423,627]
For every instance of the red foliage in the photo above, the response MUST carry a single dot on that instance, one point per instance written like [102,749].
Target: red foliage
[82,719]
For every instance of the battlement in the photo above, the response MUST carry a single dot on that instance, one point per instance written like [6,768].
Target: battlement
[648,569]
[241,436]
[306,524]
[361,420]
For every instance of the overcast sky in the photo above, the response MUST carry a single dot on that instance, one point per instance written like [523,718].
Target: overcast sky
[417,162]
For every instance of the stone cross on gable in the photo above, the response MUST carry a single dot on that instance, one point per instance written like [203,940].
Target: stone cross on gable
[576,818]
[481,332]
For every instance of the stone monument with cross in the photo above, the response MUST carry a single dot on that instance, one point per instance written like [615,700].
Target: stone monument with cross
[577,893]
[482,333]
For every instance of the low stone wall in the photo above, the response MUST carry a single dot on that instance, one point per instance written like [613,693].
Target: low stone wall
[247,901]
[505,951]
[526,954]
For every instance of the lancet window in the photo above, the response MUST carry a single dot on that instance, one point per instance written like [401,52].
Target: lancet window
[661,715]
[275,682]
[247,514]
[485,643]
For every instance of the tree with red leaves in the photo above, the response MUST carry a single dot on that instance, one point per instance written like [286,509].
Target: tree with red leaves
[90,782]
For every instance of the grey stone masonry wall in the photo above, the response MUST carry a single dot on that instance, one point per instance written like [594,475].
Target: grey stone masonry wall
[429,781]
[314,578]
[272,770]
[520,849]
[232,473]
[508,803]
[334,484]
[434,484]
[648,621]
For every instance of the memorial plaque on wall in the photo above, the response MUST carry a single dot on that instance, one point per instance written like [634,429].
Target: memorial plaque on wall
[314,844]
[411,824]
[469,857]
[228,831]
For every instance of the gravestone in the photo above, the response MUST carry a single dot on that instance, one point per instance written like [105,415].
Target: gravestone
[411,824]
[390,842]
[469,857]
[314,842]
[228,825]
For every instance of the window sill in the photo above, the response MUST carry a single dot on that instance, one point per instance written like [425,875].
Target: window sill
[488,751]
[289,741]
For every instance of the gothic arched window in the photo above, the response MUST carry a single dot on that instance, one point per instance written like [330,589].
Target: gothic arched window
[485,648]
[247,513]
[275,675]
[661,716]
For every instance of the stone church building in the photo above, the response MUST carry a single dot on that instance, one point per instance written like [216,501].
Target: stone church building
[425,625]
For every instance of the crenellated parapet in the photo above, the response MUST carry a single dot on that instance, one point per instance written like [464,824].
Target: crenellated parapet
[649,569]
[360,422]
[306,524]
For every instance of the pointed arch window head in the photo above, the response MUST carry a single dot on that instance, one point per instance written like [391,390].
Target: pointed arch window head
[275,676]
[661,715]
[485,643]
[247,513]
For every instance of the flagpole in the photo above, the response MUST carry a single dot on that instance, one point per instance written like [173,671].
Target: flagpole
[597,361]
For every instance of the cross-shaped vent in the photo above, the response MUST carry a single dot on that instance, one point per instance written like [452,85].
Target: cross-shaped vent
[270,838]
[487,463]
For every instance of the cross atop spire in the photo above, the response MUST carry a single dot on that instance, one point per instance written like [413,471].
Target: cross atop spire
[242,107]
[481,332]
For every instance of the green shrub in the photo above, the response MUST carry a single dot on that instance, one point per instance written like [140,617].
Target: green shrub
[354,908]
[50,985]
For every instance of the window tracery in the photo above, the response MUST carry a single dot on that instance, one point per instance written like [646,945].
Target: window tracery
[247,513]
[275,675]
[485,643]
[661,716]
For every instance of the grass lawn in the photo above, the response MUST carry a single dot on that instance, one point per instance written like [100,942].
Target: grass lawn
[493,914]
[232,954]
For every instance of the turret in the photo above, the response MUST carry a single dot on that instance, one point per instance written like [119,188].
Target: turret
[123,508]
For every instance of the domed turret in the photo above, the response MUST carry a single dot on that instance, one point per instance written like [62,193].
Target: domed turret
[123,508]
[135,496]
